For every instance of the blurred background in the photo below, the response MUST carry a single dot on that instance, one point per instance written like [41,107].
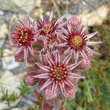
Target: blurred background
[93,92]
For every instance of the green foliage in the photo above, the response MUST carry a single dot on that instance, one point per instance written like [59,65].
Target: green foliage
[94,91]
[12,97]
[24,88]
[6,97]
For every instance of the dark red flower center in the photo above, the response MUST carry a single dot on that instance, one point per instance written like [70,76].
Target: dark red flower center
[47,28]
[52,40]
[23,37]
[58,73]
[77,42]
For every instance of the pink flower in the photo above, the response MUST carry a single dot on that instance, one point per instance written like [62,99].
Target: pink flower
[77,40]
[58,74]
[30,80]
[49,26]
[24,38]
[74,22]
[84,65]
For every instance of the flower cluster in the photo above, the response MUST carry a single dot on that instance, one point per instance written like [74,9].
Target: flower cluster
[58,51]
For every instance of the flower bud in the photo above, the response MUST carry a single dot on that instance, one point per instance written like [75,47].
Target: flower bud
[30,80]
[73,21]
[89,53]
[84,65]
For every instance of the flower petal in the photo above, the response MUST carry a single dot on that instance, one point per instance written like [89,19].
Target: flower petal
[25,53]
[31,50]
[45,75]
[84,28]
[62,36]
[18,51]
[62,87]
[74,75]
[91,35]
[16,26]
[76,55]
[46,68]
[62,45]
[41,17]
[48,82]
[66,60]
[92,51]
[67,50]
[15,45]
[50,61]
[65,32]
[51,16]
[70,84]
[72,66]
[93,42]
[21,23]
[29,22]
[57,57]
[19,57]
[84,55]
[69,28]
[69,92]
[54,90]
[59,20]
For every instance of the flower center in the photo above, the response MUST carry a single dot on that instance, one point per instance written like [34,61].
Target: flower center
[76,41]
[22,37]
[52,40]
[47,28]
[58,73]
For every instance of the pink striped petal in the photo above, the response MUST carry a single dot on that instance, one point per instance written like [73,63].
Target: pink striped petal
[69,28]
[25,53]
[41,17]
[84,55]
[48,82]
[62,36]
[29,22]
[62,45]
[70,84]
[62,87]
[59,20]
[92,50]
[15,45]
[74,75]
[64,30]
[21,23]
[51,16]
[66,60]
[84,28]
[36,33]
[54,90]
[57,58]
[50,61]
[45,75]
[93,42]
[69,92]
[91,35]
[19,50]
[31,50]
[76,55]
[67,50]
[16,26]
[48,91]
[46,68]
[72,66]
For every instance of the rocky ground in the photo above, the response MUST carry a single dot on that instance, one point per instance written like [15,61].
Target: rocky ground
[96,12]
